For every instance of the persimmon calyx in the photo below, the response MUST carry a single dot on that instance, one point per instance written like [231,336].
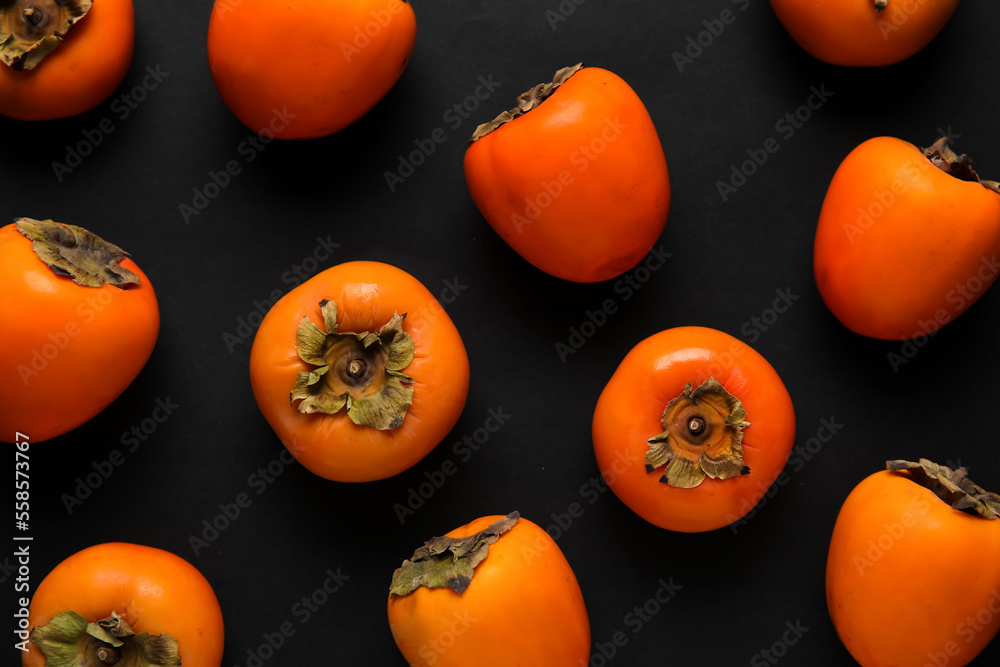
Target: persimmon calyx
[952,486]
[959,166]
[68,640]
[32,29]
[75,252]
[702,437]
[527,101]
[448,561]
[357,371]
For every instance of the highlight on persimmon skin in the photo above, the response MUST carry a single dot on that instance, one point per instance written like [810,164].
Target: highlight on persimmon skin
[574,178]
[863,33]
[511,577]
[359,371]
[129,589]
[692,429]
[83,70]
[322,66]
[90,319]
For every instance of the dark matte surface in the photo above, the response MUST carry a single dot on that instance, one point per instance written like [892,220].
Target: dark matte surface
[728,259]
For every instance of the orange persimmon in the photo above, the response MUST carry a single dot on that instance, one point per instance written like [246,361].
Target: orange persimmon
[692,429]
[78,321]
[574,178]
[92,52]
[126,589]
[911,579]
[863,33]
[456,602]
[307,68]
[359,371]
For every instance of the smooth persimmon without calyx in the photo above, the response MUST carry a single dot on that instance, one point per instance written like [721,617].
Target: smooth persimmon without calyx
[496,588]
[61,58]
[78,321]
[319,65]
[913,571]
[692,429]
[359,371]
[125,604]
[907,239]
[573,178]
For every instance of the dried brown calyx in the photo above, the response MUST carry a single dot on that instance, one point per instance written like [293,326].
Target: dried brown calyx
[32,29]
[357,371]
[68,640]
[527,101]
[702,437]
[952,486]
[448,561]
[959,166]
[75,252]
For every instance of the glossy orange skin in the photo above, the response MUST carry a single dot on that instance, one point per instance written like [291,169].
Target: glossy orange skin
[81,73]
[578,186]
[852,32]
[153,590]
[907,576]
[523,608]
[57,338]
[367,294]
[903,248]
[629,410]
[309,59]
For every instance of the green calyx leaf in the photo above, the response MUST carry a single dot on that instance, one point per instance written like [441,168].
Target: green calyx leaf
[68,640]
[359,371]
[952,486]
[32,29]
[702,437]
[448,561]
[73,251]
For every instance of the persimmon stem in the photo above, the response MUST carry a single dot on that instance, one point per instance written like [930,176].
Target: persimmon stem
[356,368]
[881,4]
[109,655]
[33,15]
[696,425]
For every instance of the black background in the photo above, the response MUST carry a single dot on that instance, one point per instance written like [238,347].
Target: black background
[728,259]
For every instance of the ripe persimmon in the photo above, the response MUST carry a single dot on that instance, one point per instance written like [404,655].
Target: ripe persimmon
[907,239]
[317,65]
[692,429]
[913,573]
[78,321]
[63,57]
[863,33]
[359,371]
[116,603]
[574,178]
[498,580]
